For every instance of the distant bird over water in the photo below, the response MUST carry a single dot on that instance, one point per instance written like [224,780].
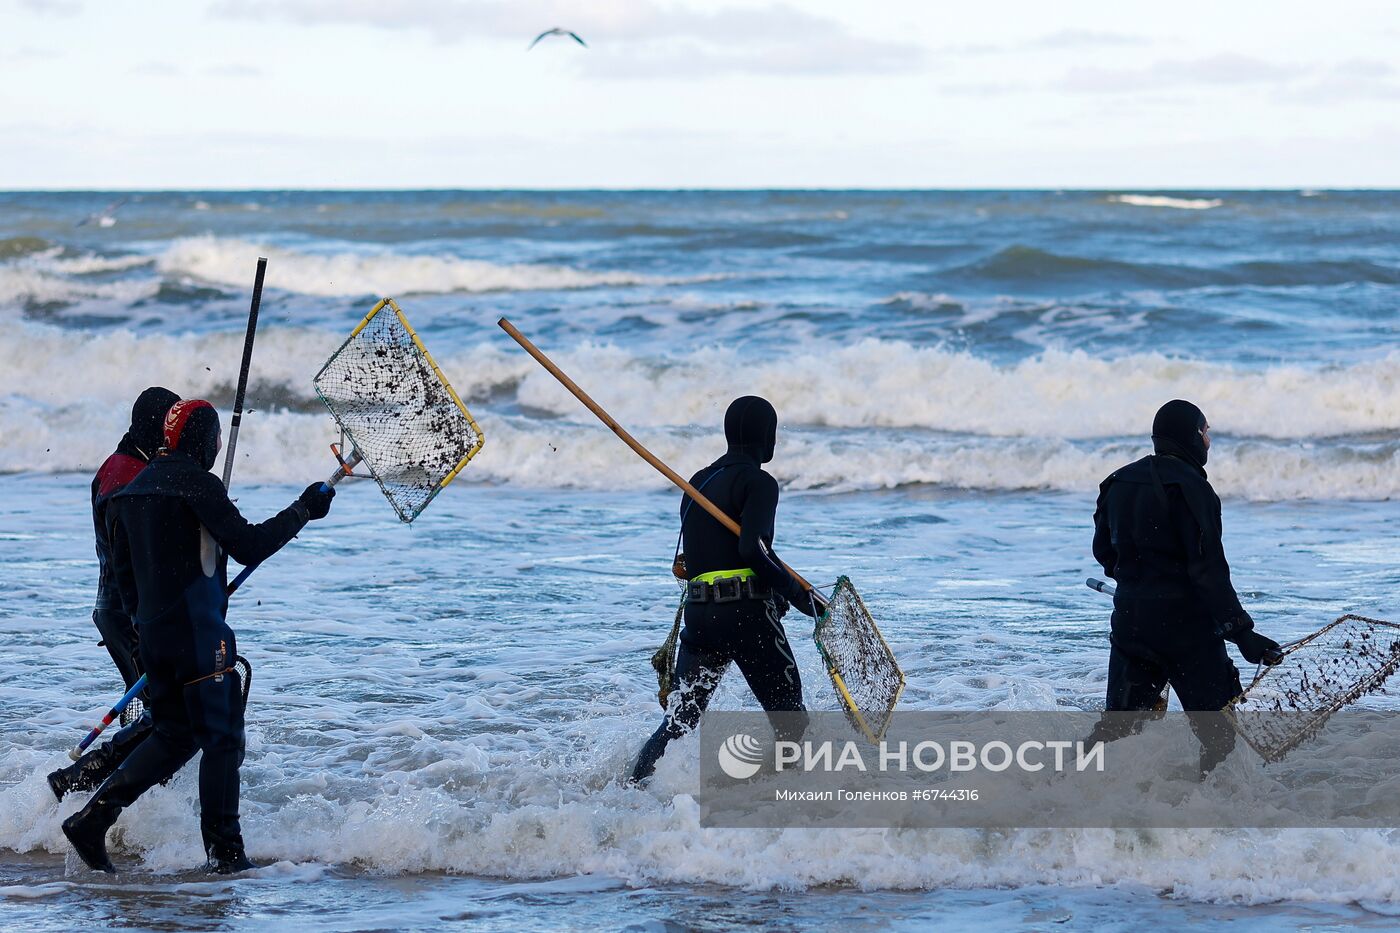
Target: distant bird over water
[104,217]
[556,31]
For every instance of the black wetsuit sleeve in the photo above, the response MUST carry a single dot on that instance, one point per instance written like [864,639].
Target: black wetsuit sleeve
[245,542]
[1104,552]
[756,530]
[1207,567]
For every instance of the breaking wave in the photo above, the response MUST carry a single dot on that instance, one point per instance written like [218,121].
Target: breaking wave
[871,415]
[472,806]
[867,384]
[1033,268]
[33,271]
[226,261]
[1158,200]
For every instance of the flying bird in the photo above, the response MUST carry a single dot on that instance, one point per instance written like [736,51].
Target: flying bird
[104,217]
[556,31]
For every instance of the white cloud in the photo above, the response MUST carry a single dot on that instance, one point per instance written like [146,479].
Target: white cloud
[1348,81]
[53,7]
[627,38]
[1085,39]
[1064,40]
[1363,68]
[30,53]
[1223,69]
[827,56]
[982,88]
[156,70]
[233,70]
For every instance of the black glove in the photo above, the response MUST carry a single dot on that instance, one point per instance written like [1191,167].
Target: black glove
[317,500]
[1257,648]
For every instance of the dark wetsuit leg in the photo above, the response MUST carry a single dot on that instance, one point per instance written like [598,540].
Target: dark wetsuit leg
[215,708]
[119,637]
[765,658]
[698,673]
[98,764]
[192,712]
[1135,685]
[166,750]
[749,633]
[1206,681]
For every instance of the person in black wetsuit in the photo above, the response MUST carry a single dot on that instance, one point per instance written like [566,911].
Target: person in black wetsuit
[133,452]
[172,530]
[738,591]
[1157,532]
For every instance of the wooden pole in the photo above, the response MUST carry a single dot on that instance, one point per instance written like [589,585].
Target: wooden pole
[629,440]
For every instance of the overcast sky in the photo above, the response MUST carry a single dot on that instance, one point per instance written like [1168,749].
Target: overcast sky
[699,93]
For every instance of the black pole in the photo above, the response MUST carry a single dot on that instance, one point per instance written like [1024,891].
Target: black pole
[243,371]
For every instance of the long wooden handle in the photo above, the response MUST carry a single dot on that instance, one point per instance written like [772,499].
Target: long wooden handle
[629,440]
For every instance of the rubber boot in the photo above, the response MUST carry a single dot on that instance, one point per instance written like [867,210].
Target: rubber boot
[97,765]
[223,843]
[87,832]
[152,762]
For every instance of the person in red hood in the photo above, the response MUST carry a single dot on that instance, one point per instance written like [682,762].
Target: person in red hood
[172,531]
[133,452]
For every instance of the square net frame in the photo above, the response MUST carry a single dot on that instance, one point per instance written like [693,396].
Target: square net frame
[1288,702]
[863,669]
[398,410]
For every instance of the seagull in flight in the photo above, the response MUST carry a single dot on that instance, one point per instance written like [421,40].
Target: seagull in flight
[556,31]
[104,218]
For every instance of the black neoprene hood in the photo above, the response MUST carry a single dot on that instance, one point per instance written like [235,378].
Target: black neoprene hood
[148,420]
[751,427]
[1177,431]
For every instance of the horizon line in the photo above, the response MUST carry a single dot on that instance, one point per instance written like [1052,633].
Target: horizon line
[969,189]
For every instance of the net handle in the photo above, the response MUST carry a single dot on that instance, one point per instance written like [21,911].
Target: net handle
[243,368]
[607,419]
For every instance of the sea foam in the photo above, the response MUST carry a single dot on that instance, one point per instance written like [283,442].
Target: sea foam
[226,261]
[1159,200]
[870,415]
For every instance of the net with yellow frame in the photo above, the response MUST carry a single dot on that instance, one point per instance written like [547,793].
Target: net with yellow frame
[397,410]
[1288,702]
[863,670]
[859,662]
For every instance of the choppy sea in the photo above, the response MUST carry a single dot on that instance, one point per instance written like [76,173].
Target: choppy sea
[441,711]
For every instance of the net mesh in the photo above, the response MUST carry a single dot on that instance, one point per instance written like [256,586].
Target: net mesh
[863,669]
[398,411]
[1319,675]
[135,708]
[664,660]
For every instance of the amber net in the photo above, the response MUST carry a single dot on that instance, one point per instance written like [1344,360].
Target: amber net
[862,667]
[1290,701]
[398,411]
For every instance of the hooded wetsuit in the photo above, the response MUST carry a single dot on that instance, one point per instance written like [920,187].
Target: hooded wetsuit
[172,530]
[1157,532]
[118,632]
[135,450]
[748,630]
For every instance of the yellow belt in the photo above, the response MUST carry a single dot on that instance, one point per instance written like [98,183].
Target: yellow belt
[741,574]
